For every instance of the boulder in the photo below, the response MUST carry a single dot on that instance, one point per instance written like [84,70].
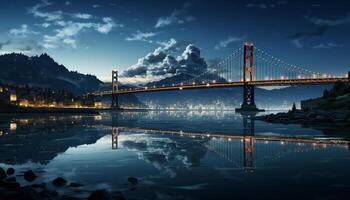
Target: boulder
[133,180]
[59,182]
[2,174]
[10,171]
[29,176]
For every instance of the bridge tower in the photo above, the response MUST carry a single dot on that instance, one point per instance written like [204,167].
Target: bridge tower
[115,133]
[248,141]
[248,76]
[115,102]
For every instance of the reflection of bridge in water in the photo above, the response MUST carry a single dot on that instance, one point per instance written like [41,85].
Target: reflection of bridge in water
[247,150]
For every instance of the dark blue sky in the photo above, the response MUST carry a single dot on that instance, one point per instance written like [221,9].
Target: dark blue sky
[97,36]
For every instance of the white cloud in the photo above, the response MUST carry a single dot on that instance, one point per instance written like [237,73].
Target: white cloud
[70,30]
[328,22]
[226,42]
[48,16]
[141,36]
[297,43]
[176,17]
[107,26]
[22,31]
[95,6]
[67,3]
[45,25]
[71,42]
[82,16]
[328,45]
[65,32]
[265,5]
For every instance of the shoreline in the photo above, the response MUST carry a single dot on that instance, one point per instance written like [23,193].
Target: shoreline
[50,111]
[308,117]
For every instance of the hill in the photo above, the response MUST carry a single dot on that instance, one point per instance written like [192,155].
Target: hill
[44,72]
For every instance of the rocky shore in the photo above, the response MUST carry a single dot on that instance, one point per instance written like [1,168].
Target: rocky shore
[301,117]
[11,189]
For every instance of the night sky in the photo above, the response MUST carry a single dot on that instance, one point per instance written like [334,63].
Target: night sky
[97,36]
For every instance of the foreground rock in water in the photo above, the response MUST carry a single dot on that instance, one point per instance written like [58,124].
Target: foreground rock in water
[29,176]
[10,189]
[307,117]
[59,182]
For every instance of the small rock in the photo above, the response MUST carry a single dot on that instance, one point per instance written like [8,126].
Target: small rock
[100,195]
[29,176]
[2,174]
[133,180]
[10,171]
[59,182]
[75,185]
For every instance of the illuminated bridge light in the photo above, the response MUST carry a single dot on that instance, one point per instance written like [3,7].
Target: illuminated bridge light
[182,84]
[146,88]
[193,83]
[282,143]
[203,82]
[208,135]
[214,81]
[208,84]
[229,80]
[180,88]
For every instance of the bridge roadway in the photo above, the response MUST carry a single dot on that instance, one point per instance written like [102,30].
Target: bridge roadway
[278,138]
[285,82]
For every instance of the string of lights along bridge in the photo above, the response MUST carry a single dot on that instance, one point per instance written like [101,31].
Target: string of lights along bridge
[246,67]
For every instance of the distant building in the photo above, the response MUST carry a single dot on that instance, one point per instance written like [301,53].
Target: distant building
[13,96]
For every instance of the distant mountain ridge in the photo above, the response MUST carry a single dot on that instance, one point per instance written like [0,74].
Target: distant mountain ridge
[44,72]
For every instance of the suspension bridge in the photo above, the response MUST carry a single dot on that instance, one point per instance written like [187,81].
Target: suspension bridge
[247,67]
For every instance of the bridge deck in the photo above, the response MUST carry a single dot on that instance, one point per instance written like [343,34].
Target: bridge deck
[314,81]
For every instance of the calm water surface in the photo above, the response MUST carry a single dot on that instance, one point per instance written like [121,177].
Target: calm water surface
[180,155]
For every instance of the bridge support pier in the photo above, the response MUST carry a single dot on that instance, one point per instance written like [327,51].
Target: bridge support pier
[115,100]
[248,76]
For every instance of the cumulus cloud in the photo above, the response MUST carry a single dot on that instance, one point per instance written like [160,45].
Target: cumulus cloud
[141,36]
[226,42]
[328,45]
[176,17]
[22,31]
[163,62]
